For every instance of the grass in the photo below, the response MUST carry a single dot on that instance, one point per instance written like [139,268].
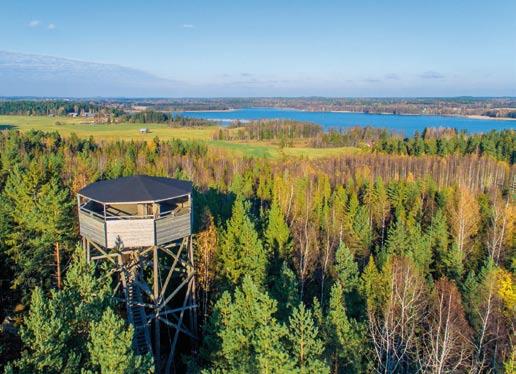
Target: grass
[130,131]
[119,131]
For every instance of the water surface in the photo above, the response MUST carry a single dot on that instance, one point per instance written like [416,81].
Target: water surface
[405,124]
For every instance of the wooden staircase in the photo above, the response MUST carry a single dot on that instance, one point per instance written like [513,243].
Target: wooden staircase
[136,314]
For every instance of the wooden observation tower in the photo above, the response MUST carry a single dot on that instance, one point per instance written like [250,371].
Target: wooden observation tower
[142,227]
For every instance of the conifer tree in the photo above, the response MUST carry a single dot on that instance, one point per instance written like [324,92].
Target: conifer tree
[38,216]
[241,251]
[363,231]
[453,262]
[438,235]
[406,239]
[420,248]
[346,269]
[381,208]
[398,242]
[374,286]
[346,337]
[110,347]
[348,233]
[277,233]
[56,330]
[243,335]
[48,335]
[305,345]
[285,291]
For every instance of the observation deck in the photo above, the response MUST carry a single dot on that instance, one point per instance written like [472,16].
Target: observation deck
[136,211]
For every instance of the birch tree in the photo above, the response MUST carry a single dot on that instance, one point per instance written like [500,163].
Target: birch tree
[463,217]
[395,315]
[448,347]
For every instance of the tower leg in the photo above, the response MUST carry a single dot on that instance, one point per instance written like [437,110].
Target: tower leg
[156,291]
[163,303]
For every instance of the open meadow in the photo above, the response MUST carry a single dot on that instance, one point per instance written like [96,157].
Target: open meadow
[84,127]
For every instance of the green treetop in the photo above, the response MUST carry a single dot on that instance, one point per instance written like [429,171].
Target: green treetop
[110,347]
[277,233]
[241,251]
[305,345]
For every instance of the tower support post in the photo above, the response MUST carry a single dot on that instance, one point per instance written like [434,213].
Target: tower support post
[165,303]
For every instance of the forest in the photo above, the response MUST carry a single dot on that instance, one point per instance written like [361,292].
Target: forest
[47,107]
[282,130]
[494,107]
[396,261]
[499,144]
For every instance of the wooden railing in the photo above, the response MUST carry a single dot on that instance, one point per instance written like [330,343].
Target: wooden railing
[178,212]
[172,227]
[145,230]
[92,227]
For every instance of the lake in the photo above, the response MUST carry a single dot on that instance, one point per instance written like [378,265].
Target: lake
[405,124]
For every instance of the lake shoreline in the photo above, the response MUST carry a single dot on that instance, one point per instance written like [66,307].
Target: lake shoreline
[477,116]
[470,116]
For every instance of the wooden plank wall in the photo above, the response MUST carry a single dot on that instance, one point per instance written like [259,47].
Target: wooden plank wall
[171,228]
[135,232]
[132,232]
[92,228]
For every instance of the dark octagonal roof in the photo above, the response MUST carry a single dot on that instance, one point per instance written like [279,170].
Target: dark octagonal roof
[138,188]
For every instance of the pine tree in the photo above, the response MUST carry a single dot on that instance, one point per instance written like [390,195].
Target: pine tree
[56,330]
[305,345]
[420,249]
[438,233]
[453,262]
[285,291]
[346,336]
[38,216]
[277,233]
[243,336]
[110,347]
[346,269]
[271,355]
[398,242]
[241,251]
[47,333]
[374,286]
[362,230]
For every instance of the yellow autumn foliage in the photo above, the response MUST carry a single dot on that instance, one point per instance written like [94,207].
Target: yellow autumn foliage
[507,291]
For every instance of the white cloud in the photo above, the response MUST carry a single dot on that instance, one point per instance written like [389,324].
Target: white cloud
[187,26]
[34,23]
[51,26]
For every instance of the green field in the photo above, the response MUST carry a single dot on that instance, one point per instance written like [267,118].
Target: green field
[130,131]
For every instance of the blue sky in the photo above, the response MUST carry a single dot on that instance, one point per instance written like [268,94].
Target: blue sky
[276,48]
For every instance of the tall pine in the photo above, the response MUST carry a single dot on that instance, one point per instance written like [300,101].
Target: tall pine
[241,251]
[306,347]
[38,212]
